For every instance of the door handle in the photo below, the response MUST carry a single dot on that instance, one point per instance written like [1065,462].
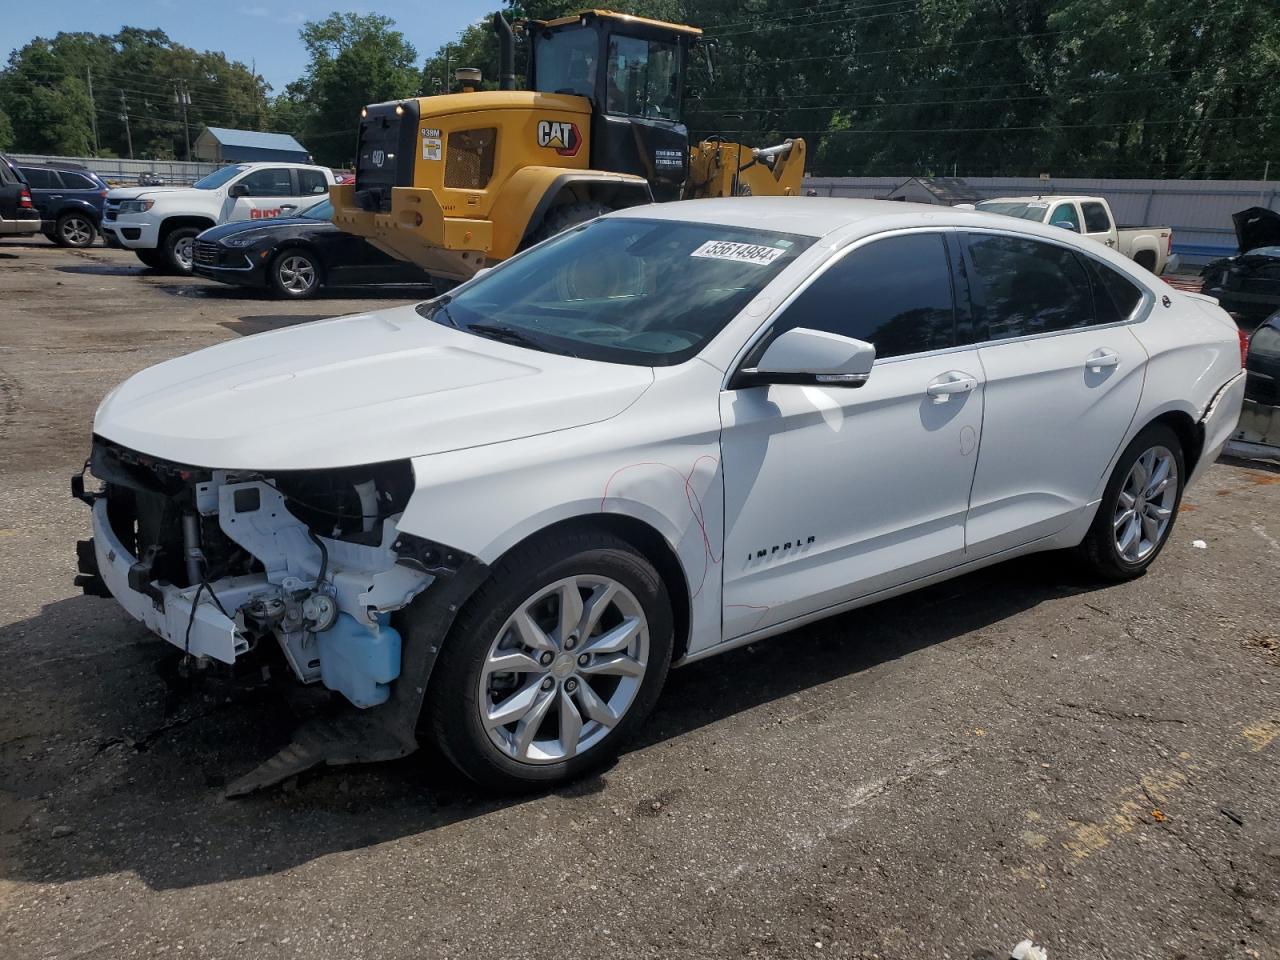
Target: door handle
[953,381]
[288,206]
[1099,359]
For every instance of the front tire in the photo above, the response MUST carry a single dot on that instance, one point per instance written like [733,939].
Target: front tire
[295,274]
[178,249]
[74,230]
[152,258]
[553,663]
[1139,506]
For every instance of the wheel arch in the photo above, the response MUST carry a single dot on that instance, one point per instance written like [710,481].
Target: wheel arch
[531,192]
[1190,434]
[169,224]
[647,540]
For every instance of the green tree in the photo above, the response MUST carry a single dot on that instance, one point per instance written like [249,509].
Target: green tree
[354,59]
[6,131]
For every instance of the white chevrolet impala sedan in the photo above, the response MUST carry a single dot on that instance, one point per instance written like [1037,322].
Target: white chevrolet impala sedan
[498,517]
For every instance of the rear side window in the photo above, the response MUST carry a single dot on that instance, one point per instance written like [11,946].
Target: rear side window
[312,183]
[1115,297]
[1028,287]
[41,179]
[894,293]
[1096,219]
[77,181]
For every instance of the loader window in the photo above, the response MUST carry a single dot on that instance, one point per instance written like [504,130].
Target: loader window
[622,290]
[565,61]
[643,78]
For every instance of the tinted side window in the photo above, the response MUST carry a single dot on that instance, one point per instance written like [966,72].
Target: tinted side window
[312,183]
[77,181]
[1095,217]
[1065,213]
[1029,287]
[1115,297]
[41,179]
[270,182]
[894,293]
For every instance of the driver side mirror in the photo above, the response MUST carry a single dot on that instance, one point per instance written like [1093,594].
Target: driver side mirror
[811,357]
[237,190]
[1067,225]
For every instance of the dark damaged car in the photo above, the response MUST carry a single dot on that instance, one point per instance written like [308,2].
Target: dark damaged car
[1248,284]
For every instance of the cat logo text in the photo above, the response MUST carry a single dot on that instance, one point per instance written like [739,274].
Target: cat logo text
[560,136]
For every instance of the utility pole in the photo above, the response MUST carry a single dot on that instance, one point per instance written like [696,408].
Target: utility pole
[183,96]
[124,115]
[93,109]
[447,75]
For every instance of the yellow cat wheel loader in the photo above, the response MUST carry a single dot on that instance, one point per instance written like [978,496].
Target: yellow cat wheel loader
[460,181]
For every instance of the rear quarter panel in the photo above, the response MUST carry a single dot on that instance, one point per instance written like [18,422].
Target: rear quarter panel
[1193,350]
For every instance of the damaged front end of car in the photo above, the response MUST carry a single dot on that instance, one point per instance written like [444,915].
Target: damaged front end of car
[217,562]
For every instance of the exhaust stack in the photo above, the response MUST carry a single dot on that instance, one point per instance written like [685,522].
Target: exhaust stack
[506,53]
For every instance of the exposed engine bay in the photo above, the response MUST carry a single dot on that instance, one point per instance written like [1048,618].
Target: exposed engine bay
[216,562]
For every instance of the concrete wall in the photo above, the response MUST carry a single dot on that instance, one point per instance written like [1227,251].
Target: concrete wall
[1198,210]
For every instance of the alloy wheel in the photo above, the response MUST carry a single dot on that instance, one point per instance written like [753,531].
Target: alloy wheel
[297,274]
[77,231]
[564,669]
[1144,507]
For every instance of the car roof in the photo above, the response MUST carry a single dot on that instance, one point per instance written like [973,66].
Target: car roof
[806,216]
[1043,198]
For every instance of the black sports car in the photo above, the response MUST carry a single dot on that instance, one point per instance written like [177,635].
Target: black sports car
[295,256]
[1248,284]
[1259,431]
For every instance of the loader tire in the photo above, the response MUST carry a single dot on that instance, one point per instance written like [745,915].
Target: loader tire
[566,216]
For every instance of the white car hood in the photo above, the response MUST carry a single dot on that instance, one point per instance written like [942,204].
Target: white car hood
[355,390]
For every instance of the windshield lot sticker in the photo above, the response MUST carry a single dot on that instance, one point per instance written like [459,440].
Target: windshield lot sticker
[741,252]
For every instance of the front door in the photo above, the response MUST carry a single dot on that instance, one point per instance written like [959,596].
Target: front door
[271,194]
[832,493]
[1064,375]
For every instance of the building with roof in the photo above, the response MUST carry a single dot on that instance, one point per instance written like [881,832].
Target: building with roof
[222,145]
[945,191]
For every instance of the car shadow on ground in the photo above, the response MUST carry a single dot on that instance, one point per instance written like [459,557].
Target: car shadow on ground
[136,759]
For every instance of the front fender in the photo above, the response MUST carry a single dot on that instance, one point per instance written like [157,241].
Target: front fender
[527,195]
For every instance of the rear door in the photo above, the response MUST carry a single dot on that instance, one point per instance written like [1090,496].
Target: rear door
[1097,222]
[1063,377]
[46,189]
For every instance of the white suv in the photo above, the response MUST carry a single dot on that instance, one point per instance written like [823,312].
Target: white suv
[657,436]
[159,224]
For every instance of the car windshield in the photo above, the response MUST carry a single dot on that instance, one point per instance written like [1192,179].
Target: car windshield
[1023,211]
[623,289]
[1264,252]
[216,179]
[318,211]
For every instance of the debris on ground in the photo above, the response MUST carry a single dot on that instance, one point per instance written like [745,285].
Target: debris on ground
[1026,950]
[1199,544]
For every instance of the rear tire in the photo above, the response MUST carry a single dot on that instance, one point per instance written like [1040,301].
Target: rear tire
[177,248]
[1146,259]
[1139,506]
[74,230]
[563,217]
[590,700]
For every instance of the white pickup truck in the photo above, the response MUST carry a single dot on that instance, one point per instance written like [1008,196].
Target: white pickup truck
[159,224]
[1150,247]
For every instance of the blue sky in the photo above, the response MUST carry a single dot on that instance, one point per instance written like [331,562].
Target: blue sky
[246,30]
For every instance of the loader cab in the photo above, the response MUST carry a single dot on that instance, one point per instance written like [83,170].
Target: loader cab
[632,70]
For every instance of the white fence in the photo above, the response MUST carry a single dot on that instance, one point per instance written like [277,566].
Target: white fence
[127,171]
[1198,210]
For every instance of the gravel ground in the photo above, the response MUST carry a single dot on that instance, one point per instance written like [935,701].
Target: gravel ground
[1018,753]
